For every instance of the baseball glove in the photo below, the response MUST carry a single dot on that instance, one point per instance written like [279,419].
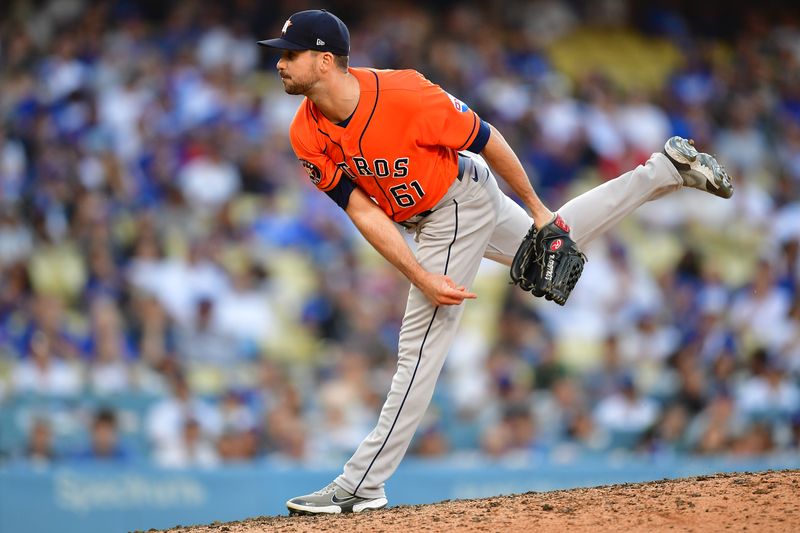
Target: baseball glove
[548,262]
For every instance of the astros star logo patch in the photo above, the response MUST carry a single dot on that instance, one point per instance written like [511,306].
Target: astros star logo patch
[313,171]
[286,26]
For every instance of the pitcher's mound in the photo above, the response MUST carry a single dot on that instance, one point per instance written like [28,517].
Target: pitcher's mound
[766,501]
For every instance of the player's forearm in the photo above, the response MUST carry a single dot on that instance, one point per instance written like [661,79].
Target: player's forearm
[383,235]
[504,162]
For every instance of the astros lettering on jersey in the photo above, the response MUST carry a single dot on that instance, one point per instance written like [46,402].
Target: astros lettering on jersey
[399,146]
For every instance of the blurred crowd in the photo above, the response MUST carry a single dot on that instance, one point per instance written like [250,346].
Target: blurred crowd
[173,289]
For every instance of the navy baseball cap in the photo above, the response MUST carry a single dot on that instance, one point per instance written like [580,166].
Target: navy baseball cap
[315,29]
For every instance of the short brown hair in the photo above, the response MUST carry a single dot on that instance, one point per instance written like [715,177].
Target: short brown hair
[341,62]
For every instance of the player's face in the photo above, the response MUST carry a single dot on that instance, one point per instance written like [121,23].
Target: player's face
[298,71]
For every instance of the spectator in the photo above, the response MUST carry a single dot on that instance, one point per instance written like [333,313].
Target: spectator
[757,440]
[649,341]
[794,427]
[201,342]
[208,181]
[238,441]
[513,436]
[286,435]
[605,380]
[787,341]
[643,125]
[175,282]
[43,372]
[109,371]
[756,311]
[742,143]
[284,431]
[584,436]
[170,423]
[245,311]
[626,413]
[667,436]
[39,451]
[431,441]
[13,167]
[192,448]
[557,408]
[16,238]
[771,394]
[105,445]
[152,332]
[716,427]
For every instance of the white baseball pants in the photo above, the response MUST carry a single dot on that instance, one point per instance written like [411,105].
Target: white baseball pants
[474,219]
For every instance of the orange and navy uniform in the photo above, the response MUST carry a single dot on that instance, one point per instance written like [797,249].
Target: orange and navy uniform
[400,146]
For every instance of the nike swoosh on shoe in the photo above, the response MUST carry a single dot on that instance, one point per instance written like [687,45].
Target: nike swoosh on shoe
[337,501]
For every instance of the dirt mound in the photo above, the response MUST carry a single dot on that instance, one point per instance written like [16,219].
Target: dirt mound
[766,501]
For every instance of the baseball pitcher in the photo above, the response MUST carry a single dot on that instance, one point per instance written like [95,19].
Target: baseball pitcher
[389,146]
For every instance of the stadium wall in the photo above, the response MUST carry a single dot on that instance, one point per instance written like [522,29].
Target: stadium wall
[96,499]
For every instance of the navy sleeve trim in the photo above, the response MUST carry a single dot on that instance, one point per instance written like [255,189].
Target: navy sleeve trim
[341,192]
[480,139]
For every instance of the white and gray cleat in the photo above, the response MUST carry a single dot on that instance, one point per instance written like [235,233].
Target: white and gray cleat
[333,499]
[698,170]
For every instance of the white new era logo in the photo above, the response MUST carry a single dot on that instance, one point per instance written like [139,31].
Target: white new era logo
[320,42]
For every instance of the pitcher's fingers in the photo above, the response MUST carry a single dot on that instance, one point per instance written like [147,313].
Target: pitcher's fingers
[456,297]
[465,293]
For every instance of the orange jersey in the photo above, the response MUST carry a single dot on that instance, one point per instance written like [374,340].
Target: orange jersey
[399,146]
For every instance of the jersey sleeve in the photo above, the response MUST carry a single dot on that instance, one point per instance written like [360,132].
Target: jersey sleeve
[444,120]
[321,170]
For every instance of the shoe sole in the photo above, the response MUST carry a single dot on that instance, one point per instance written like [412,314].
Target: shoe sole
[682,153]
[369,505]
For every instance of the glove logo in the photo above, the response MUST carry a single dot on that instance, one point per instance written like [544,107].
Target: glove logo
[313,172]
[555,245]
[561,224]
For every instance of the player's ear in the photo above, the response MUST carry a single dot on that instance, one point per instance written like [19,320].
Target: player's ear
[326,61]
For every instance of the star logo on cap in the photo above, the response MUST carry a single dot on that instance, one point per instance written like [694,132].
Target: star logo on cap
[286,26]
